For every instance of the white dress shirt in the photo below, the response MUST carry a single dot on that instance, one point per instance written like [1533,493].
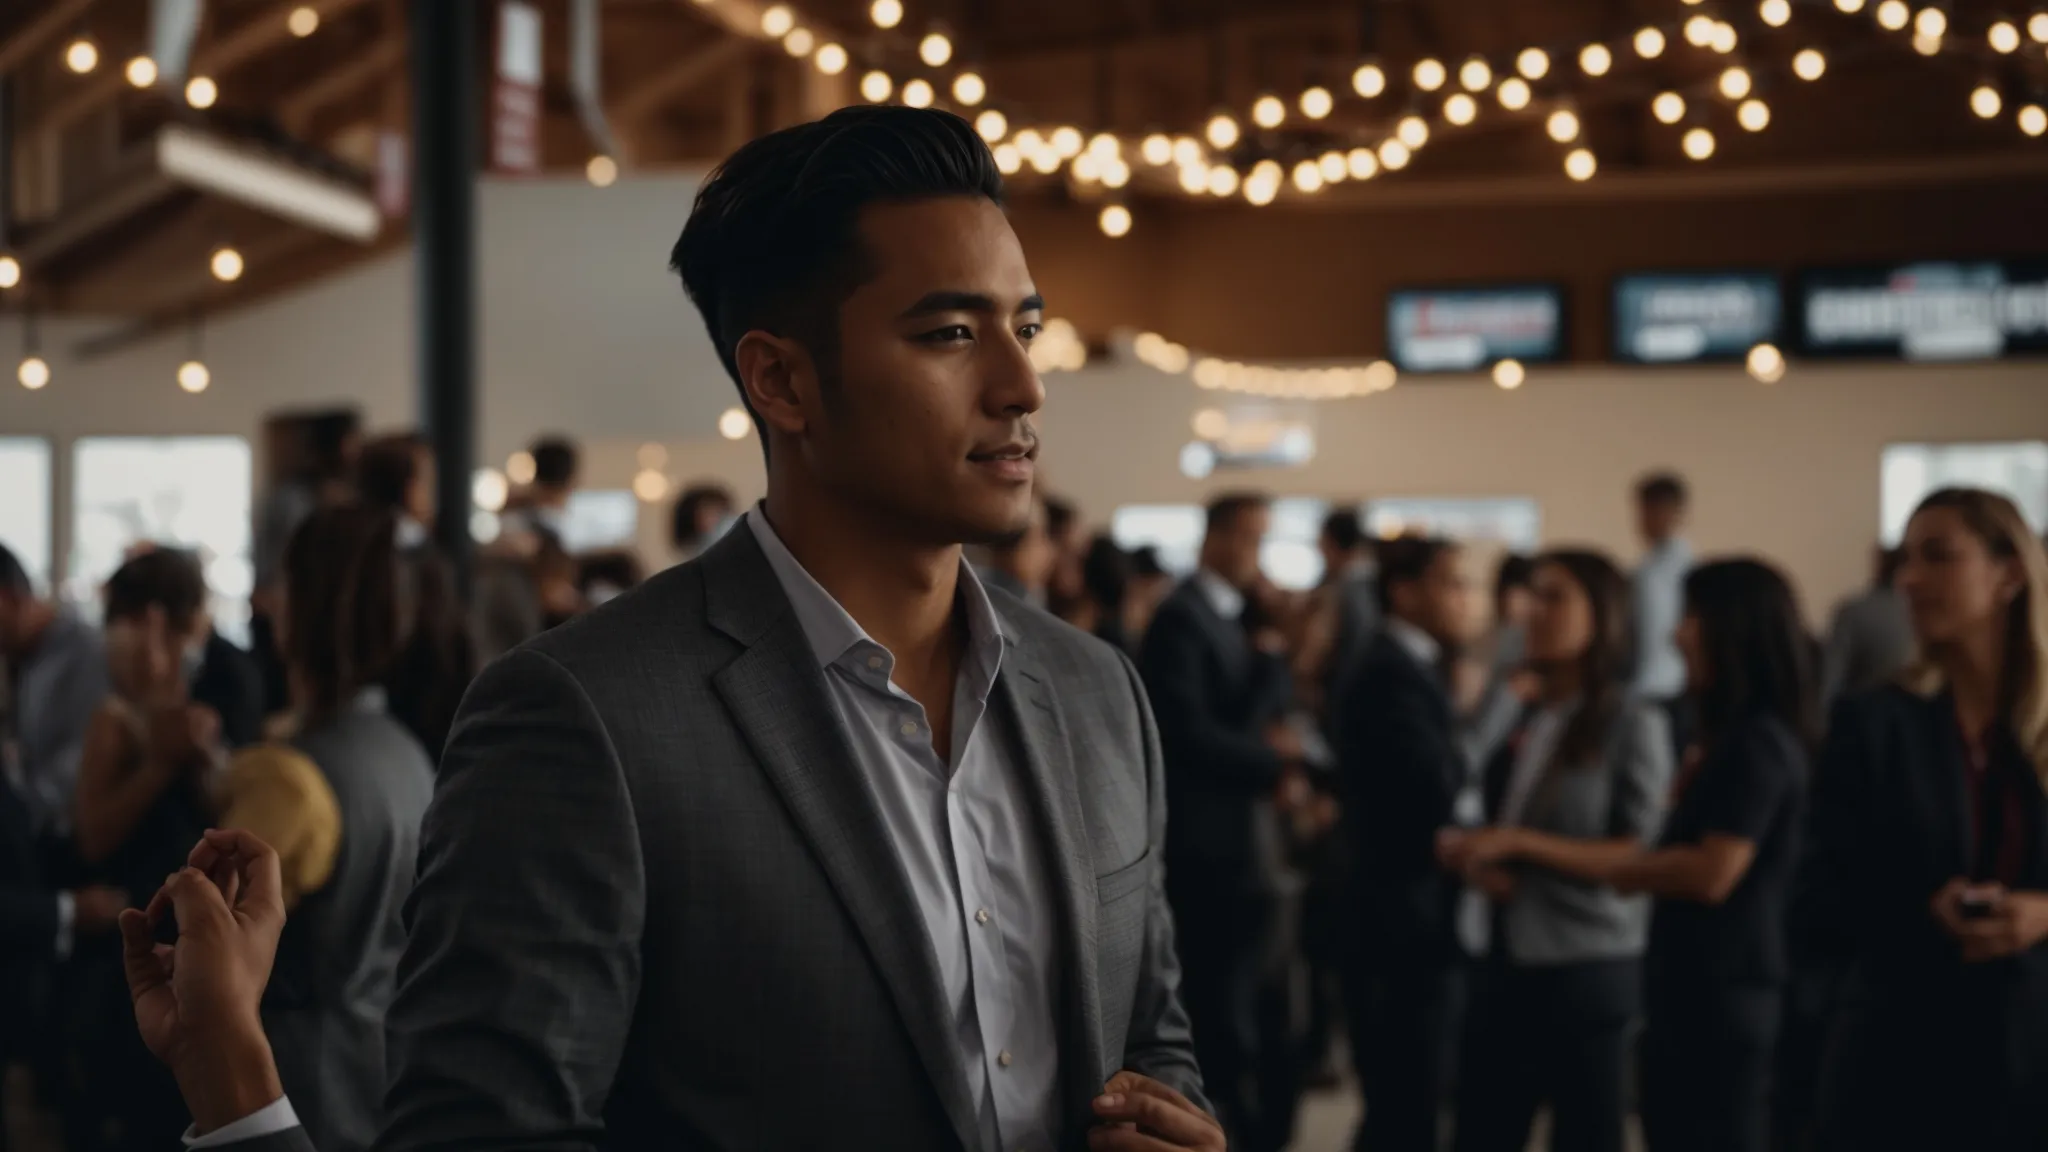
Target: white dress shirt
[1658,597]
[275,1116]
[1226,600]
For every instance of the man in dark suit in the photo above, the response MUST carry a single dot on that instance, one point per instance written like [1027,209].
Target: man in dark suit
[810,841]
[1219,698]
[1404,773]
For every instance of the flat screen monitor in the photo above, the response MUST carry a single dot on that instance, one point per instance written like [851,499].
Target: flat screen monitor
[1929,311]
[1466,329]
[1683,318]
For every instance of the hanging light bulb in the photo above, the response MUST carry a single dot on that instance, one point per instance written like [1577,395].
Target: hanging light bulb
[1412,131]
[2004,38]
[1368,81]
[1765,364]
[1394,155]
[1362,164]
[1754,115]
[1563,125]
[1931,22]
[1221,180]
[1986,102]
[1260,189]
[969,89]
[1268,111]
[1308,176]
[1429,74]
[1316,103]
[1699,143]
[34,372]
[1849,6]
[1892,15]
[10,271]
[935,49]
[1595,59]
[1475,74]
[1186,150]
[1509,374]
[875,87]
[302,22]
[1156,149]
[991,125]
[1066,141]
[1649,43]
[81,56]
[1668,107]
[830,59]
[1699,31]
[1735,82]
[1196,178]
[1115,221]
[1460,109]
[1333,166]
[886,13]
[141,72]
[1009,161]
[777,20]
[1724,40]
[799,42]
[201,92]
[1115,173]
[1580,164]
[1926,45]
[1809,64]
[226,264]
[193,376]
[1222,131]
[2037,27]
[1513,93]
[1087,168]
[1044,160]
[1533,63]
[918,93]
[1776,13]
[2033,119]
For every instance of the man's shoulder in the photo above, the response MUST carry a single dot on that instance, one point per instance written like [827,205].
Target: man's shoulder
[664,613]
[1062,650]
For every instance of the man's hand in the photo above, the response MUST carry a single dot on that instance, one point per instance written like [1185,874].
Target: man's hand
[1284,741]
[1139,1114]
[184,734]
[2018,921]
[96,909]
[196,1002]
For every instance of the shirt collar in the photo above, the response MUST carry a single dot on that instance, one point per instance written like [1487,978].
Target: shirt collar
[1417,643]
[1227,601]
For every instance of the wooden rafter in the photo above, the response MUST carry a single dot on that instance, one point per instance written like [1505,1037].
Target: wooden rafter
[39,32]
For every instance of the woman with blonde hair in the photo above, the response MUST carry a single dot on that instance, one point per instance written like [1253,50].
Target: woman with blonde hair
[1928,880]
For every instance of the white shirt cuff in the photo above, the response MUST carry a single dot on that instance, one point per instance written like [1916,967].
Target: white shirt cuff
[276,1116]
[67,917]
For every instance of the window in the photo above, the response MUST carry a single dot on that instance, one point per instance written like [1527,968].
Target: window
[598,519]
[187,491]
[1910,471]
[1513,522]
[1289,556]
[25,513]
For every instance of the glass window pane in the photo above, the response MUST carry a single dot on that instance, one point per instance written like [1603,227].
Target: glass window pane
[25,510]
[601,518]
[1513,522]
[184,491]
[1910,471]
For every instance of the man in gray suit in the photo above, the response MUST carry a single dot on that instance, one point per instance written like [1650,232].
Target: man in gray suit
[812,841]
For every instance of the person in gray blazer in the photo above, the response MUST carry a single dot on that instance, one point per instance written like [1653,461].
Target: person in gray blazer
[1585,778]
[813,841]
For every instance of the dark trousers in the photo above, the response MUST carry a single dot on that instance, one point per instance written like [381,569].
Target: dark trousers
[1404,1028]
[1555,1034]
[1707,1062]
[1236,994]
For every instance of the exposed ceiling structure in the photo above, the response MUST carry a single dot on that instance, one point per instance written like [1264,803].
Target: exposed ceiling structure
[115,204]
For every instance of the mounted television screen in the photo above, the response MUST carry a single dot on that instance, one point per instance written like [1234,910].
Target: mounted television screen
[1930,311]
[1465,329]
[1679,318]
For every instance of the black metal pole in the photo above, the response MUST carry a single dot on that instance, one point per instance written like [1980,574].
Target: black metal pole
[444,161]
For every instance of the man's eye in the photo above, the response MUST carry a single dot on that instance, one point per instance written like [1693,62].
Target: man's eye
[1029,332]
[948,335]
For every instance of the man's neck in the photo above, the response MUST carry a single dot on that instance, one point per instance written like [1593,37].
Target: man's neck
[900,593]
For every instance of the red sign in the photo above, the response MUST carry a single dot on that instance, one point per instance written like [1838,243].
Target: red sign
[515,96]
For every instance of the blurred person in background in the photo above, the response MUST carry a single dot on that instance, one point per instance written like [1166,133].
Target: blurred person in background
[1023,564]
[1219,700]
[57,677]
[1656,594]
[1343,612]
[1404,771]
[1149,586]
[1069,537]
[311,459]
[1514,601]
[1581,787]
[395,475]
[540,509]
[702,515]
[1105,578]
[604,576]
[1870,637]
[1928,875]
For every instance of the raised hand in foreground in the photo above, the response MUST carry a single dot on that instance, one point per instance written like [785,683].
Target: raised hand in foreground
[196,1001]
[1139,1114]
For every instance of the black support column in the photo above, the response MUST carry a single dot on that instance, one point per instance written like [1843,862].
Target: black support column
[446,128]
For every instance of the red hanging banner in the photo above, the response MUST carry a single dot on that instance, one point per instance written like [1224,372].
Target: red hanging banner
[515,96]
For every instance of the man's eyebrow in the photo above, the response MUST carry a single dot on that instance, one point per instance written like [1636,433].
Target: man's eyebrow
[947,300]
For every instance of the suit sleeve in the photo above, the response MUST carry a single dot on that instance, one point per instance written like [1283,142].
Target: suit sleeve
[1401,769]
[28,922]
[522,964]
[1191,726]
[1828,903]
[1642,775]
[1160,1043]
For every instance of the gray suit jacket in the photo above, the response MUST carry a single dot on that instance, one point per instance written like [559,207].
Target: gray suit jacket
[656,906]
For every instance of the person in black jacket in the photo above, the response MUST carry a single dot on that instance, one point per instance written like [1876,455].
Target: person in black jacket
[1218,698]
[1928,877]
[1403,769]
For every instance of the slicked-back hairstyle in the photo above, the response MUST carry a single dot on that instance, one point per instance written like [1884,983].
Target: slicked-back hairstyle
[1224,509]
[165,578]
[772,242]
[1407,560]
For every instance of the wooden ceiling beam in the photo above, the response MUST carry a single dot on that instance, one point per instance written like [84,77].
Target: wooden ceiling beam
[40,31]
[297,108]
[702,66]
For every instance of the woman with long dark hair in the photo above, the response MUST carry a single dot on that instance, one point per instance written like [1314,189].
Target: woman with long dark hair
[1582,783]
[1928,879]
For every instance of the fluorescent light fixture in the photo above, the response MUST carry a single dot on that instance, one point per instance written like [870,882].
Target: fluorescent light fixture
[263,181]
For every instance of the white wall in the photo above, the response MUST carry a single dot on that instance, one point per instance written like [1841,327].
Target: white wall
[585,332]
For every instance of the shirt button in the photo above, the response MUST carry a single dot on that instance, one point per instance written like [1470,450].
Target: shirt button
[981,915]
[875,662]
[1003,1058]
[909,729]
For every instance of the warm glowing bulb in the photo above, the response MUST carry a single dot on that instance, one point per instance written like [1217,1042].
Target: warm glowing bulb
[1198,178]
[969,88]
[776,21]
[1211,424]
[1595,59]
[2033,120]
[831,59]
[1850,6]
[1362,164]
[1986,102]
[1368,81]
[886,13]
[1766,364]
[1222,131]
[1649,43]
[193,377]
[1308,176]
[1460,109]
[1429,74]
[1699,31]
[303,22]
[1261,192]
[1513,93]
[1893,15]
[10,272]
[734,423]
[1776,13]
[226,264]
[1157,149]
[918,93]
[1412,131]
[1926,45]
[1087,168]
[1115,221]
[935,49]
[1066,140]
[992,125]
[1009,161]
[2004,37]
[799,42]
[1317,103]
[1668,107]
[602,171]
[81,57]
[141,72]
[1809,64]
[1754,115]
[1563,125]
[1268,111]
[1509,374]
[1533,63]
[649,485]
[1045,161]
[34,373]
[1475,74]
[1724,40]
[1699,143]
[1333,166]
[1580,164]
[1931,22]
[1394,155]
[201,92]
[2037,27]
[520,467]
[1735,83]
[1221,180]
[1186,150]
[876,86]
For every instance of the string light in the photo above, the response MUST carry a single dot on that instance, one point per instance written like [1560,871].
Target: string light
[2037,27]
[303,22]
[1115,221]
[1412,131]
[2033,120]
[34,373]
[1533,63]
[1475,74]
[1931,22]
[1222,131]
[2004,38]
[1186,151]
[1892,15]
[1363,165]
[1699,31]
[1580,164]
[1735,83]
[1563,125]
[1509,374]
[799,42]
[1156,149]
[918,93]
[1333,166]
[10,271]
[1264,182]
[876,86]
[1198,178]
[1776,13]
[1985,101]
[1513,93]
[193,377]
[776,21]
[1850,6]
[1668,107]
[935,49]
[886,13]
[1394,155]
[1649,43]
[1066,141]
[1595,59]
[1699,143]
[1754,115]
[1308,176]
[1368,81]
[1429,74]
[141,72]
[1725,39]
[734,423]
[969,89]
[1268,111]
[1766,364]
[226,264]
[1009,161]
[602,171]
[1115,173]
[1044,161]
[1926,45]
[1809,64]
[1222,180]
[81,56]
[1317,102]
[1211,424]
[1460,109]
[201,92]
[992,125]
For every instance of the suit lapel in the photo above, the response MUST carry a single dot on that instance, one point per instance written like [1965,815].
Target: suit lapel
[1027,695]
[777,695]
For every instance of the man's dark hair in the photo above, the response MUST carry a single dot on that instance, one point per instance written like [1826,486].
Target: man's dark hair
[1661,488]
[1407,560]
[388,468]
[773,243]
[1515,571]
[1227,507]
[14,579]
[1756,648]
[1060,516]
[349,604]
[1145,563]
[1344,528]
[166,578]
[682,529]
[554,462]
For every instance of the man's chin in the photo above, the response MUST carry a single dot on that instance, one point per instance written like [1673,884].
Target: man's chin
[990,527]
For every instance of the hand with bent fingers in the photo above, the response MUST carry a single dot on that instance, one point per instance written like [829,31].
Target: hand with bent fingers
[1139,1114]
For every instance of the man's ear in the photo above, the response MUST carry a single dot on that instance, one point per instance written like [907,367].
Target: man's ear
[778,377]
